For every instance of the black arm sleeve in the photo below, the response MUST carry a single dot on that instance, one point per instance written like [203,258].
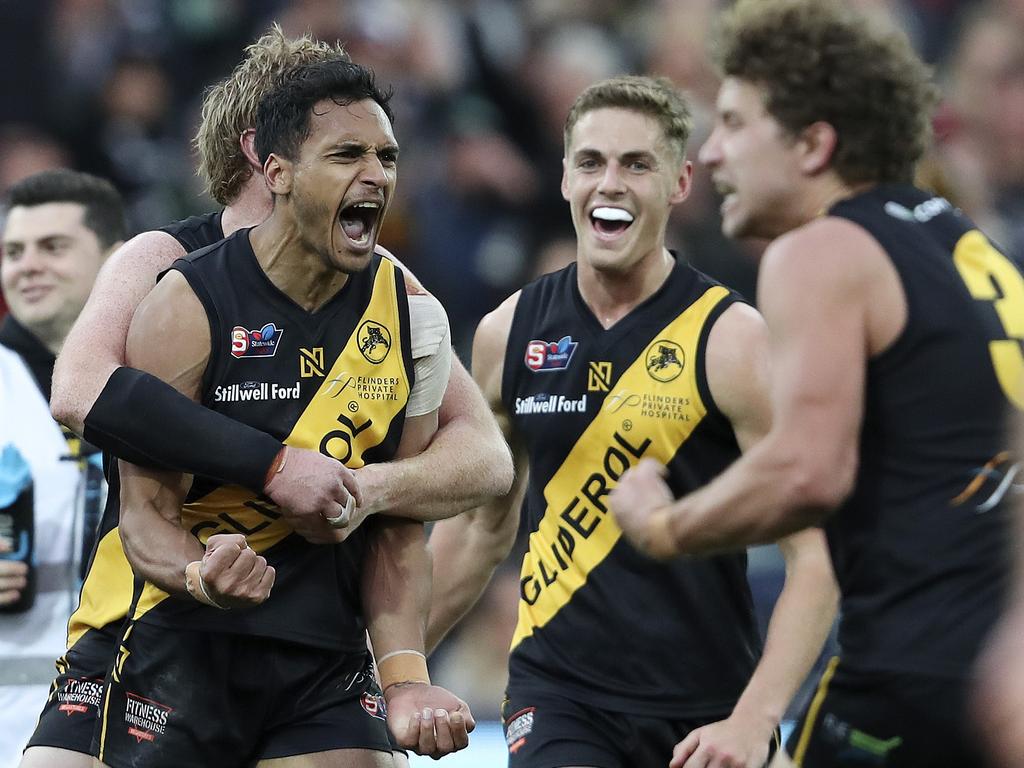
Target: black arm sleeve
[141,419]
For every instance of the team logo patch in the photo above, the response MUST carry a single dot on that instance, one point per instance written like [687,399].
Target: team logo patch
[373,705]
[311,362]
[517,728]
[599,377]
[79,695]
[146,719]
[374,341]
[261,343]
[665,360]
[550,355]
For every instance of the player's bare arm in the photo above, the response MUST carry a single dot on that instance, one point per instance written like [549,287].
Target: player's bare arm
[95,345]
[466,463]
[814,292]
[468,548]
[229,574]
[396,596]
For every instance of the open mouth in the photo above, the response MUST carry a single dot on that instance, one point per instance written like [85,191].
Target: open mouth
[611,221]
[359,220]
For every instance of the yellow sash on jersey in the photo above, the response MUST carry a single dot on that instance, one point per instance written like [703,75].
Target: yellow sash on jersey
[649,413]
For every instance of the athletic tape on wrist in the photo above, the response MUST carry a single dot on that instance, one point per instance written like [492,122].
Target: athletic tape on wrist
[404,666]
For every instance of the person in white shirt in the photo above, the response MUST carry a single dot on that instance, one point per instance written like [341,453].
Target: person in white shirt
[59,228]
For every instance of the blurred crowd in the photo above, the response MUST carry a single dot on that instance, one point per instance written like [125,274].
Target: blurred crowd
[482,87]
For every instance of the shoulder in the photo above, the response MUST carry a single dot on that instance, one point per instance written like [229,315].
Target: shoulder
[155,248]
[830,248]
[489,345]
[494,327]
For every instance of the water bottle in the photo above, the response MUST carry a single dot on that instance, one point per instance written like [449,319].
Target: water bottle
[17,524]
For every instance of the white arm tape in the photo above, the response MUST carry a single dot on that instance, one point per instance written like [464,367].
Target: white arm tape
[431,352]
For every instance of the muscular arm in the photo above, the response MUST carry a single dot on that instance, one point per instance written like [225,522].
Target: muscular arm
[831,299]
[466,463]
[468,548]
[150,526]
[95,345]
[738,376]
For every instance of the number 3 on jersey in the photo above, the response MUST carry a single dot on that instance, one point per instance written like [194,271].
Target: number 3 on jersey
[990,276]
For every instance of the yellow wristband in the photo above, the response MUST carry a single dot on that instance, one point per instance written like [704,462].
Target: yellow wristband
[404,666]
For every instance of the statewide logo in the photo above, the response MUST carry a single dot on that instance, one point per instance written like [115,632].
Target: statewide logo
[373,705]
[665,360]
[261,343]
[374,341]
[518,727]
[550,355]
[311,362]
[599,377]
[146,719]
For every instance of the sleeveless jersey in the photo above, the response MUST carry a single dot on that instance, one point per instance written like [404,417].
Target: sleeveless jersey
[196,232]
[598,621]
[106,593]
[920,548]
[335,380]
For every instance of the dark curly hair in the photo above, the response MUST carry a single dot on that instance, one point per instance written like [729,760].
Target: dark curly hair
[819,61]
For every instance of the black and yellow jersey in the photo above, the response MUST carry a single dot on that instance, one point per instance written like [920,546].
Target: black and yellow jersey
[335,380]
[920,548]
[598,621]
[106,592]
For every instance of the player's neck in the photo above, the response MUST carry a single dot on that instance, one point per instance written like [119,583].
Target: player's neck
[612,294]
[294,269]
[252,206]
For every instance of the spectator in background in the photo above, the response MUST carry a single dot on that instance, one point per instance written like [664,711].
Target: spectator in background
[60,227]
[983,153]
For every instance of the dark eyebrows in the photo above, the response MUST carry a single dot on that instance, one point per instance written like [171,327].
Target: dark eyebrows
[362,147]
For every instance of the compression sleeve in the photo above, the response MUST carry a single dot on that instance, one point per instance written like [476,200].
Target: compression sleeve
[141,419]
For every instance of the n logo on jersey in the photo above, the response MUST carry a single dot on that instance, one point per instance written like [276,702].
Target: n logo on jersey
[665,360]
[599,377]
[374,341]
[311,362]
[550,355]
[260,343]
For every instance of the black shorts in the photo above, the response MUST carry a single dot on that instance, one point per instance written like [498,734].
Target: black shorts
[180,698]
[893,720]
[72,709]
[546,730]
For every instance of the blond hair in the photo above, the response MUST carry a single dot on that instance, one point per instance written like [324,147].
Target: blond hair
[656,97]
[229,107]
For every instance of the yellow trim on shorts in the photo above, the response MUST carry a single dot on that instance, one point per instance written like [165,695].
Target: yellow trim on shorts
[812,712]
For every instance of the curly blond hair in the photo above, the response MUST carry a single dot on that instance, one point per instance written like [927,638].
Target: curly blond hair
[818,60]
[229,107]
